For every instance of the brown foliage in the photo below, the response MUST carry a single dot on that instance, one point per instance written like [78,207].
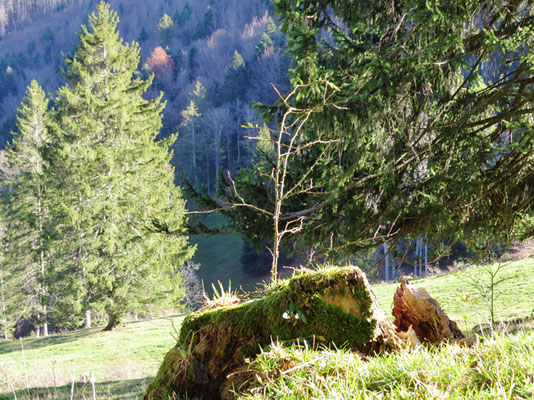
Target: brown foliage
[161,63]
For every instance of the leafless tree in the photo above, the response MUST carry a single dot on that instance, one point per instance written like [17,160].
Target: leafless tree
[287,142]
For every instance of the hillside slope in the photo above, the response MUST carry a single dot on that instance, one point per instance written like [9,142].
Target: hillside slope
[125,360]
[133,352]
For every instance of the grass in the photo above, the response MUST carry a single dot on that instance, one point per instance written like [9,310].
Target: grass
[114,390]
[220,257]
[217,256]
[499,368]
[462,302]
[129,355]
[124,361]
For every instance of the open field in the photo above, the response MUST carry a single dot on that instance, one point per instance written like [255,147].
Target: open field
[124,361]
[220,260]
[130,354]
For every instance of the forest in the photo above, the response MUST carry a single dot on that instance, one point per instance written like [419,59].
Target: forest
[313,152]
[208,60]
[236,108]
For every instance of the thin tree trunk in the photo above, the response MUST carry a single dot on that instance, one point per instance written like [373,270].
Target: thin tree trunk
[208,171]
[194,154]
[386,248]
[88,322]
[228,150]
[43,294]
[420,257]
[217,151]
[426,259]
[4,315]
[237,133]
[238,111]
[42,266]
[45,323]
[416,263]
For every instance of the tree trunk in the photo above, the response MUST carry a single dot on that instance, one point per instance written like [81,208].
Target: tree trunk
[421,261]
[331,307]
[228,150]
[113,321]
[387,261]
[426,259]
[194,154]
[4,311]
[45,323]
[414,308]
[88,322]
[417,257]
[208,171]
[217,152]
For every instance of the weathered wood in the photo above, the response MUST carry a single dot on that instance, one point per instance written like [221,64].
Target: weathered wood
[331,306]
[414,308]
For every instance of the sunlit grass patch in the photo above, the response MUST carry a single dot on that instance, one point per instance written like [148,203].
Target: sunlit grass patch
[500,367]
[133,352]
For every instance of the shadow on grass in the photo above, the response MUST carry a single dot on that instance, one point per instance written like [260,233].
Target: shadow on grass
[35,343]
[113,390]
[510,327]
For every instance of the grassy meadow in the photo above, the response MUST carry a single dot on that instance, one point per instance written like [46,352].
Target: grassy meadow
[126,360]
[219,257]
[121,361]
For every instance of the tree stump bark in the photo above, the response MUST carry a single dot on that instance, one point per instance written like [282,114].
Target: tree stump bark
[413,307]
[331,306]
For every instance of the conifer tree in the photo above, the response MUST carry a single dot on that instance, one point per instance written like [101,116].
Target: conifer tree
[117,177]
[235,82]
[190,115]
[429,105]
[27,210]
[165,29]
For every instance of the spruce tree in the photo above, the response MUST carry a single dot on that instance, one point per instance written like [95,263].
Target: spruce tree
[27,211]
[117,178]
[235,82]
[422,123]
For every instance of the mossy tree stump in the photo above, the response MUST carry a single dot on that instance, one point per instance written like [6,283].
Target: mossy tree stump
[331,306]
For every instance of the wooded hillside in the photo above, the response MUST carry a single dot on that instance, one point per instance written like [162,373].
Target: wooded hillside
[219,54]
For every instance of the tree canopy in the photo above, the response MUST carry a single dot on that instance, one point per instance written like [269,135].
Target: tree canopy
[421,117]
[86,178]
[117,176]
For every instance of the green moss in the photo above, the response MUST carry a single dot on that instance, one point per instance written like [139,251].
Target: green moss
[339,327]
[262,316]
[333,305]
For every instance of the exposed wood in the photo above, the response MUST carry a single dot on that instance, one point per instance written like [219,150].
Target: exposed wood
[414,309]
